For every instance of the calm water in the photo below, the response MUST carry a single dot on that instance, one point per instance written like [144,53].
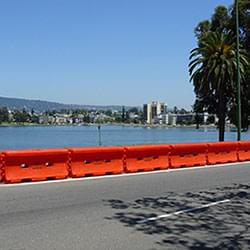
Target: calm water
[78,136]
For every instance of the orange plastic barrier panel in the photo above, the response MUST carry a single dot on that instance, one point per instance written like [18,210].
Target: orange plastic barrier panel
[147,158]
[96,161]
[1,168]
[188,155]
[222,152]
[244,150]
[35,165]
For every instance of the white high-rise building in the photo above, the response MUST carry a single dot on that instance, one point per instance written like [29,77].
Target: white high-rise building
[155,112]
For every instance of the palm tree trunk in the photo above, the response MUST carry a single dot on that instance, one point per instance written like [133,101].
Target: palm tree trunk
[222,114]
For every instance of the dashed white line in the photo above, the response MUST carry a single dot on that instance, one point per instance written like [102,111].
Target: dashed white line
[163,216]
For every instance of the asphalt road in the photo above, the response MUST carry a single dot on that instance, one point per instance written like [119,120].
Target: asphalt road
[111,213]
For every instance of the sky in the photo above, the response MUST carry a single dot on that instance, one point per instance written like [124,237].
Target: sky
[100,52]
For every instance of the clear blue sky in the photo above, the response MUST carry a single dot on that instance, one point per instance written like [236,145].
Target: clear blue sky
[125,52]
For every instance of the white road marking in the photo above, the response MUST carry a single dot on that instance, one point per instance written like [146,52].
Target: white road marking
[125,174]
[182,211]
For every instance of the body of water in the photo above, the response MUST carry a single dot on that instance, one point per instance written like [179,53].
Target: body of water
[82,136]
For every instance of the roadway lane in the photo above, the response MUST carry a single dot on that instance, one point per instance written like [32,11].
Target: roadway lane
[106,213]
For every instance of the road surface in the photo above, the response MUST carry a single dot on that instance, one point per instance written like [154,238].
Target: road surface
[198,208]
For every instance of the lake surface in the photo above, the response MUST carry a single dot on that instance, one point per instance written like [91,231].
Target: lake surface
[81,136]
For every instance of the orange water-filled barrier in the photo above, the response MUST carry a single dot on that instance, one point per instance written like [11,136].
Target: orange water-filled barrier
[1,168]
[146,157]
[244,150]
[35,165]
[45,164]
[222,152]
[96,161]
[188,155]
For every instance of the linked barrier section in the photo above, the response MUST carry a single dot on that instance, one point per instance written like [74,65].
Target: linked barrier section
[188,155]
[96,161]
[146,158]
[1,168]
[35,165]
[222,152]
[244,151]
[45,164]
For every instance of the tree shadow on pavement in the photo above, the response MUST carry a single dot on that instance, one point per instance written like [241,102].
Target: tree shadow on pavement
[223,226]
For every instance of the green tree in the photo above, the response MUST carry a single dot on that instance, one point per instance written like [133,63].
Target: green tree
[220,22]
[244,21]
[21,116]
[86,118]
[175,110]
[118,119]
[211,119]
[108,112]
[4,115]
[202,28]
[34,119]
[213,71]
[220,19]
[223,21]
[123,114]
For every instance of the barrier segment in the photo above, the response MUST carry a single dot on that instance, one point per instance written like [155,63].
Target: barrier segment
[244,151]
[188,155]
[35,165]
[222,152]
[1,168]
[146,158]
[96,161]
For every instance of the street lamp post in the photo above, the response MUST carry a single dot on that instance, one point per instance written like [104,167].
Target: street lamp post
[238,71]
[99,134]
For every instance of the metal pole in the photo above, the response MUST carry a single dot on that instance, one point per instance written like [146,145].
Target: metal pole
[238,72]
[99,134]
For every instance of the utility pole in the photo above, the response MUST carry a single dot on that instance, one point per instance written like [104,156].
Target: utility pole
[238,71]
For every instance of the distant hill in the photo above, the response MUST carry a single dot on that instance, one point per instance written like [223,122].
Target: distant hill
[38,105]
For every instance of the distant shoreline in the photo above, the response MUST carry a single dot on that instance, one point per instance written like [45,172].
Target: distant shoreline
[108,124]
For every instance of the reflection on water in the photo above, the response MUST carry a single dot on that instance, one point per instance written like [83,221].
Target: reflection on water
[78,136]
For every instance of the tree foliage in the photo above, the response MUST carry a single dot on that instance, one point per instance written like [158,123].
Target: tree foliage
[212,65]
[4,115]
[213,71]
[21,116]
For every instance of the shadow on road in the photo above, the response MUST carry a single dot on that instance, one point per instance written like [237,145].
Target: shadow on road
[224,226]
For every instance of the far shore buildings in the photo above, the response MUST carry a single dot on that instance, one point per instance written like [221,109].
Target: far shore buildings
[156,113]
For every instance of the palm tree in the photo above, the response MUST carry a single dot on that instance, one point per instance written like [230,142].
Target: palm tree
[212,69]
